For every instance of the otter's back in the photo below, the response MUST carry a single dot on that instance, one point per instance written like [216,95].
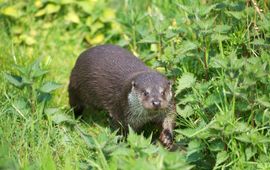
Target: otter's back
[101,72]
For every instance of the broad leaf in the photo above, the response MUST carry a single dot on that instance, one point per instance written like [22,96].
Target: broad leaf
[62,118]
[221,157]
[149,39]
[49,86]
[11,11]
[14,80]
[186,81]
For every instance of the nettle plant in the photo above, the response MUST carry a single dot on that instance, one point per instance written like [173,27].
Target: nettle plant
[219,57]
[110,151]
[35,90]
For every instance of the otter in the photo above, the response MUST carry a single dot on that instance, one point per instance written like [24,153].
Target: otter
[111,78]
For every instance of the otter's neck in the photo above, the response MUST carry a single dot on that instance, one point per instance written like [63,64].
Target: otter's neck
[135,106]
[137,114]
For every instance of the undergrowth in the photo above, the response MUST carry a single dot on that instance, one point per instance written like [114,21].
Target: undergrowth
[216,52]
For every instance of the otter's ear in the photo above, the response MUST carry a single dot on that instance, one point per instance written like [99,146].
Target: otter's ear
[133,84]
[170,82]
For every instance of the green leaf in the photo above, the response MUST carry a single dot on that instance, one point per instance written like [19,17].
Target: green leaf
[149,39]
[14,80]
[253,137]
[43,97]
[39,73]
[221,157]
[187,132]
[211,100]
[51,111]
[89,21]
[217,145]
[62,118]
[237,15]
[151,149]
[204,10]
[23,70]
[21,104]
[174,160]
[87,6]
[219,37]
[250,152]
[49,86]
[49,9]
[141,163]
[72,17]
[52,8]
[195,145]
[11,11]
[259,42]
[222,28]
[264,100]
[219,62]
[137,141]
[194,156]
[29,40]
[89,140]
[186,112]
[40,13]
[186,81]
[206,25]
[262,118]
[184,8]
[122,152]
[187,46]
[95,27]
[194,150]
[170,34]
[108,15]
[67,1]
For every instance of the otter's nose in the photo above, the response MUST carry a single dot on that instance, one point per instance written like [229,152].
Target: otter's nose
[156,103]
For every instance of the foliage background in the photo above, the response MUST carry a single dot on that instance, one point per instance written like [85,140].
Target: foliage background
[217,53]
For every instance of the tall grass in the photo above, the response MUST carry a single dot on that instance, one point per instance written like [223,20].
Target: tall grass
[216,52]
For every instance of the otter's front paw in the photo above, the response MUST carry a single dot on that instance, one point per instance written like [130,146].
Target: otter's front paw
[166,138]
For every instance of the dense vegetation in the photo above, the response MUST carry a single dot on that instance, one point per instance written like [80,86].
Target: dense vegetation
[216,52]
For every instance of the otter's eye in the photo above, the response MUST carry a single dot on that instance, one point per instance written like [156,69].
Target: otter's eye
[134,84]
[145,93]
[163,93]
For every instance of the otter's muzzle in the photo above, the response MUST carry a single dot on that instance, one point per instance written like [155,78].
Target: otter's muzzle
[156,104]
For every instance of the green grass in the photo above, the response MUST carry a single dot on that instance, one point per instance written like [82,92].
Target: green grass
[216,52]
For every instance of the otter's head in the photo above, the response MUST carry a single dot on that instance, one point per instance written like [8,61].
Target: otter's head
[152,90]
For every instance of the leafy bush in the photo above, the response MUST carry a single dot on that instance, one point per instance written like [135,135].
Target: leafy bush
[217,53]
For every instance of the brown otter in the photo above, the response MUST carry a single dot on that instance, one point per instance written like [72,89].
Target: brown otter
[111,78]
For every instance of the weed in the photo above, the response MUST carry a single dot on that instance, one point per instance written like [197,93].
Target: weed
[216,52]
